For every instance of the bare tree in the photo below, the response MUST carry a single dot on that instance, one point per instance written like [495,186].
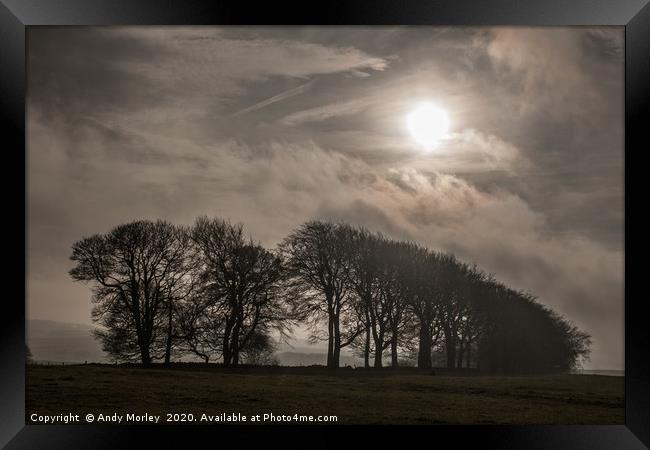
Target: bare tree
[470,322]
[317,261]
[382,306]
[130,269]
[260,350]
[160,289]
[242,281]
[178,284]
[419,278]
[363,273]
[201,323]
[395,256]
[455,311]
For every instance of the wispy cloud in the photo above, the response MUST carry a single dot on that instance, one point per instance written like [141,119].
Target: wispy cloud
[325,112]
[276,98]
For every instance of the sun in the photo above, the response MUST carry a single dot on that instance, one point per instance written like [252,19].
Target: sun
[428,124]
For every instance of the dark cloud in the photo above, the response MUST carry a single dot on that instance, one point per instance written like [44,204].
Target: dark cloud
[272,126]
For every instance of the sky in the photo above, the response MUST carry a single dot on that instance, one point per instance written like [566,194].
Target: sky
[273,126]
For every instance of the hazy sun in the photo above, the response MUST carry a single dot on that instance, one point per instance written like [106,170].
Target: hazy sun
[428,124]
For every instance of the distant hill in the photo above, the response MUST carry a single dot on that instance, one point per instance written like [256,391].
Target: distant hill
[72,343]
[309,359]
[63,342]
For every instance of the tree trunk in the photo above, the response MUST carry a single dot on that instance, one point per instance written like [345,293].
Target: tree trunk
[393,349]
[336,357]
[337,344]
[145,355]
[450,344]
[460,355]
[144,342]
[366,351]
[424,349]
[226,345]
[168,346]
[168,350]
[379,350]
[378,354]
[234,344]
[227,355]
[330,341]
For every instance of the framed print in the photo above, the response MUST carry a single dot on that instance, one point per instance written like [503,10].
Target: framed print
[289,221]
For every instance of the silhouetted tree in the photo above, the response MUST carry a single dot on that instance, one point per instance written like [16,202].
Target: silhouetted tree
[317,261]
[420,278]
[576,343]
[260,349]
[178,284]
[161,290]
[521,335]
[118,338]
[130,269]
[389,311]
[201,321]
[241,281]
[366,276]
[394,257]
[456,287]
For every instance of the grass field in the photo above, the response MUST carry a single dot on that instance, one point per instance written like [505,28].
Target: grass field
[356,397]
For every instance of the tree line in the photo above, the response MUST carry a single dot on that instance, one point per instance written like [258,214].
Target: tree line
[162,291]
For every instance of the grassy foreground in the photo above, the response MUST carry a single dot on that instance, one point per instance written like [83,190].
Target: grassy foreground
[356,397]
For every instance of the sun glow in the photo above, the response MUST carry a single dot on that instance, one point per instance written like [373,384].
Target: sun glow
[428,124]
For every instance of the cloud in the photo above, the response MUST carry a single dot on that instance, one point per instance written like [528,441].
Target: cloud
[276,98]
[328,111]
[551,69]
[609,41]
[253,58]
[491,149]
[177,73]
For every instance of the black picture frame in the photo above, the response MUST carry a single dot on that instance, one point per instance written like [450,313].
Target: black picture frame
[16,15]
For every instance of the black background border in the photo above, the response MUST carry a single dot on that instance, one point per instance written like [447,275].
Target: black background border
[15,15]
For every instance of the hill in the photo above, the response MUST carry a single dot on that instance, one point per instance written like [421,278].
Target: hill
[51,341]
[58,342]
